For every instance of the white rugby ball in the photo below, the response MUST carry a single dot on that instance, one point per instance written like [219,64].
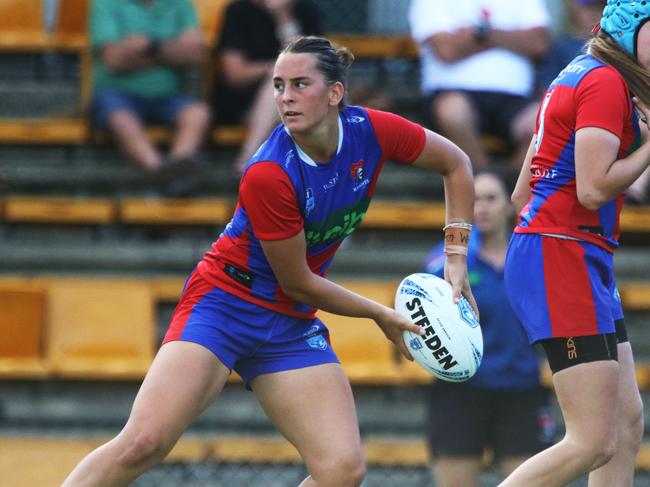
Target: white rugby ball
[452,345]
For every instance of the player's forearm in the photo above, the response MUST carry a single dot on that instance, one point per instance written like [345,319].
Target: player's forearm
[328,296]
[459,192]
[619,176]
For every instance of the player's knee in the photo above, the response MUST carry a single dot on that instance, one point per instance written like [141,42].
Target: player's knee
[632,431]
[597,454]
[144,447]
[342,470]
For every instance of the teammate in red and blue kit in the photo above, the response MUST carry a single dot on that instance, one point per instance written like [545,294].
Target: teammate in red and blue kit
[249,305]
[559,269]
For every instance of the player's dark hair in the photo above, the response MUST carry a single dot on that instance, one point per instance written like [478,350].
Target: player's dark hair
[331,60]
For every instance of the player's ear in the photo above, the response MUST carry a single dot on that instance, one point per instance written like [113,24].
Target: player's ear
[336,93]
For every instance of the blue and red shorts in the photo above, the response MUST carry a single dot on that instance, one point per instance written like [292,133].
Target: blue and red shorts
[245,337]
[561,288]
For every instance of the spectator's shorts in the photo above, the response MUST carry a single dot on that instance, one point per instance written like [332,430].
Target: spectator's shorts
[244,336]
[561,288]
[157,110]
[464,421]
[496,111]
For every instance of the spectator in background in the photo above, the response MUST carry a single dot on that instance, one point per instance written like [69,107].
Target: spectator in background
[477,68]
[502,408]
[252,35]
[140,49]
[582,16]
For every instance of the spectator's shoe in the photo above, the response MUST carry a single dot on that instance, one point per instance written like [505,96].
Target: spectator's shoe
[172,169]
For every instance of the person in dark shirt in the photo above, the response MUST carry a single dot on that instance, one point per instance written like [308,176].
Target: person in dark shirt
[252,34]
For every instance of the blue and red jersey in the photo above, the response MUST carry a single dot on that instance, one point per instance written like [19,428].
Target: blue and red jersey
[283,192]
[587,93]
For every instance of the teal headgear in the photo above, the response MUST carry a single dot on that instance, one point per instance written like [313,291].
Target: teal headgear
[622,19]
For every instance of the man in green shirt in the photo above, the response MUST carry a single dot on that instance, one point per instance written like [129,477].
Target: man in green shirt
[140,48]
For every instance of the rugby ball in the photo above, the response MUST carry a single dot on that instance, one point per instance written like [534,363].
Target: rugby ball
[452,345]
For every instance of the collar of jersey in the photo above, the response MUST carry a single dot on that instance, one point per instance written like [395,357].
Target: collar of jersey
[303,155]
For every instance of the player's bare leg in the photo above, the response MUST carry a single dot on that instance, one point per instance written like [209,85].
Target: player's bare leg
[586,394]
[619,470]
[314,409]
[182,381]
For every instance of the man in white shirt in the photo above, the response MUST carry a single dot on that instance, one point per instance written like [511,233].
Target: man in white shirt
[477,68]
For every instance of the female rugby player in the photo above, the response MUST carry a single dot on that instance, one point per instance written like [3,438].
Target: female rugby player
[249,305]
[587,151]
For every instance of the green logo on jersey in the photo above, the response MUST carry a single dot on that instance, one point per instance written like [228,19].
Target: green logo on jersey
[338,226]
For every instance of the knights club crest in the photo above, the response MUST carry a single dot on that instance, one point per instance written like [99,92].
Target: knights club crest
[356,170]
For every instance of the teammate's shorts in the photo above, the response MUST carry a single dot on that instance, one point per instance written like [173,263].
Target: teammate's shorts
[465,420]
[561,288]
[244,336]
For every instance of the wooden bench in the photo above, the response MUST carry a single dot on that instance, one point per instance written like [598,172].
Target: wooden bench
[59,210]
[22,26]
[382,214]
[118,339]
[23,330]
[47,460]
[100,329]
[206,211]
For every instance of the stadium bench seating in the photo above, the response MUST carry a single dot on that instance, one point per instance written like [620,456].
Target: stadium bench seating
[365,353]
[210,211]
[118,339]
[100,329]
[59,210]
[55,457]
[22,327]
[22,30]
[422,215]
[22,26]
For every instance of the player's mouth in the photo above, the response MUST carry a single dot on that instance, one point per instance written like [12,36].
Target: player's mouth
[290,114]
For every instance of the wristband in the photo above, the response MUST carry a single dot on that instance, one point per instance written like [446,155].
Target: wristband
[457,238]
[455,250]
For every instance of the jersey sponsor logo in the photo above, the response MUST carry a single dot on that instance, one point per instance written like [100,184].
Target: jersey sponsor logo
[571,68]
[355,119]
[333,181]
[310,202]
[356,170]
[337,226]
[544,172]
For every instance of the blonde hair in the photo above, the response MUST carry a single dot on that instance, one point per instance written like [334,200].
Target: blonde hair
[605,48]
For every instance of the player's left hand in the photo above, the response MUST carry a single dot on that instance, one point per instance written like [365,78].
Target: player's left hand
[456,275]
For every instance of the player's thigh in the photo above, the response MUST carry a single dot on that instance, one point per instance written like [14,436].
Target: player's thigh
[587,394]
[183,380]
[629,398]
[314,409]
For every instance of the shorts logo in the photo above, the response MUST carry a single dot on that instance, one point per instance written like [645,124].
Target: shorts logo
[356,170]
[571,349]
[314,338]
